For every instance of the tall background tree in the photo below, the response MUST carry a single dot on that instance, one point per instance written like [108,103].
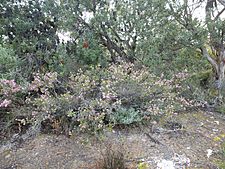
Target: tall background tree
[205,33]
[160,34]
[30,27]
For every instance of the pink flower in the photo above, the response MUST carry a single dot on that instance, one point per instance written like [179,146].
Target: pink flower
[10,86]
[5,103]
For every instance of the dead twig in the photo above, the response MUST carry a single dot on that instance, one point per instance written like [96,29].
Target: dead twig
[153,139]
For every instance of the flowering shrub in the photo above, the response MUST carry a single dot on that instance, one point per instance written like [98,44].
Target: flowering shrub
[43,83]
[43,86]
[99,97]
[8,90]
[9,87]
[5,103]
[14,111]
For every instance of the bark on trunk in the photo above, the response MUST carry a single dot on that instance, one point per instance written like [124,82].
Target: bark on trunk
[220,73]
[219,67]
[216,43]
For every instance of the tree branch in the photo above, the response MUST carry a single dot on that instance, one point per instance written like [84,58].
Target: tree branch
[222,2]
[218,15]
[209,58]
[110,44]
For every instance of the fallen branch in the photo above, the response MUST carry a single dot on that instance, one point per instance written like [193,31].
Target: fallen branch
[153,139]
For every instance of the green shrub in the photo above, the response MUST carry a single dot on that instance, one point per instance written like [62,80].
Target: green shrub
[9,62]
[201,87]
[126,116]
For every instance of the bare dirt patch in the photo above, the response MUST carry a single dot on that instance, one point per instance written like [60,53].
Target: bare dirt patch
[184,139]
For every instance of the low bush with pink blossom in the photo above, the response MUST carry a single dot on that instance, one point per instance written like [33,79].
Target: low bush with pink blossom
[98,97]
[8,90]
[92,98]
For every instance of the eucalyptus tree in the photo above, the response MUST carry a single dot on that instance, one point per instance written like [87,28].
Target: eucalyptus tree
[121,27]
[30,28]
[203,30]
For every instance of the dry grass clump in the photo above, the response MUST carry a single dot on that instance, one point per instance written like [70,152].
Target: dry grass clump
[112,158]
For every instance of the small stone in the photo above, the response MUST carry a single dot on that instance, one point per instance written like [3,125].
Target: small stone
[154,122]
[8,156]
[165,164]
[215,130]
[209,152]
[217,122]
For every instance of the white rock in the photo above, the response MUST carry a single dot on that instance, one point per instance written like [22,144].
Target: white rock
[201,124]
[215,130]
[181,160]
[209,152]
[165,164]
[217,122]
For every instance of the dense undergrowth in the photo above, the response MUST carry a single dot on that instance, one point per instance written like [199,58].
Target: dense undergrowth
[95,97]
[92,99]
[103,75]
[88,66]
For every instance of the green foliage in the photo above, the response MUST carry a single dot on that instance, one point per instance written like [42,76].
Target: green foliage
[126,116]
[201,87]
[220,108]
[93,53]
[222,165]
[8,62]
[31,31]
[99,76]
[143,165]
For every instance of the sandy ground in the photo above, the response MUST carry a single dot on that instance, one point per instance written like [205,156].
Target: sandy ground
[188,140]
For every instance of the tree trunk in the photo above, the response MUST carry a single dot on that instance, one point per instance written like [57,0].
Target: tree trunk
[219,67]
[220,74]
[216,43]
